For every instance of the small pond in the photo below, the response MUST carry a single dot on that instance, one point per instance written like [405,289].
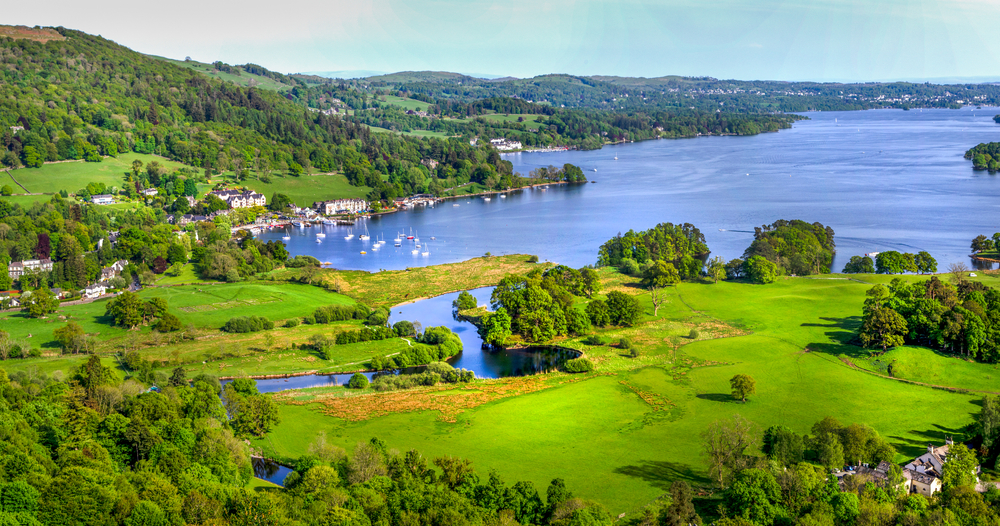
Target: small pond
[269,470]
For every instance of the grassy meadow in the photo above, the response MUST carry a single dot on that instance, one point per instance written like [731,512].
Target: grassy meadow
[405,103]
[530,119]
[635,422]
[75,175]
[306,189]
[243,79]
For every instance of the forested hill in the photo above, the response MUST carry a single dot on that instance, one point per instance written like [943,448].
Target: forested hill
[702,93]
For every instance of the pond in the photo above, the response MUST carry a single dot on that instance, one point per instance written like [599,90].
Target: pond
[436,312]
[269,470]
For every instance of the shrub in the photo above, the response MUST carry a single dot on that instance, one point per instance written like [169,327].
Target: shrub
[242,324]
[293,322]
[596,340]
[578,365]
[693,334]
[465,301]
[302,261]
[378,318]
[404,328]
[168,323]
[358,381]
[533,259]
[332,313]
[309,320]
[630,267]
[598,313]
[625,343]
[623,309]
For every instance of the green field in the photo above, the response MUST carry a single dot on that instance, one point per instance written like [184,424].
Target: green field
[414,133]
[75,175]
[530,120]
[307,189]
[407,104]
[243,79]
[794,334]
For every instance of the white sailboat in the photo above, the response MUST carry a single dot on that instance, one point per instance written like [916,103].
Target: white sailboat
[427,250]
[350,235]
[414,252]
[397,240]
[416,239]
[364,237]
[286,238]
[320,234]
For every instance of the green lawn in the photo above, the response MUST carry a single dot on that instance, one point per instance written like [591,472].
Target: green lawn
[307,189]
[414,133]
[408,104]
[632,447]
[75,175]
[187,275]
[530,120]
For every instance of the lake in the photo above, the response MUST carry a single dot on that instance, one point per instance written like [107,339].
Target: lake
[883,179]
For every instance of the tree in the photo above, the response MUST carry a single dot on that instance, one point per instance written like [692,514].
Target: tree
[988,421]
[957,271]
[279,202]
[783,444]
[465,301]
[882,327]
[39,303]
[743,386]
[71,337]
[761,271]
[860,265]
[982,244]
[680,511]
[623,309]
[659,275]
[591,281]
[178,378]
[6,190]
[959,469]
[727,443]
[597,311]
[830,451]
[755,496]
[926,264]
[717,269]
[127,310]
[496,328]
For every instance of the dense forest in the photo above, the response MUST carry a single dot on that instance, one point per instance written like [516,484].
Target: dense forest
[985,156]
[961,319]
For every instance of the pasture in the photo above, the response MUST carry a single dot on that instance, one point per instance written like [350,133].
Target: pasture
[73,176]
[307,189]
[530,119]
[635,422]
[405,103]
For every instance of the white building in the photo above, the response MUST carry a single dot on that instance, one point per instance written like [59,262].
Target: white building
[114,270]
[341,206]
[238,199]
[923,474]
[17,268]
[102,199]
[505,144]
[149,192]
[94,291]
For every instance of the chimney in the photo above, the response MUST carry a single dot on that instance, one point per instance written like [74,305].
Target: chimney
[949,441]
[930,448]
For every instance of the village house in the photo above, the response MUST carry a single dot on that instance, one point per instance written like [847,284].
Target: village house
[238,199]
[505,144]
[102,199]
[94,291]
[149,192]
[430,163]
[114,270]
[341,206]
[923,474]
[8,302]
[17,268]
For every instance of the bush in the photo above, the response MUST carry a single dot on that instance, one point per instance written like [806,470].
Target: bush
[598,313]
[533,259]
[309,320]
[358,381]
[465,301]
[332,313]
[241,324]
[294,322]
[693,334]
[302,261]
[625,343]
[630,267]
[168,323]
[404,328]
[623,309]
[378,318]
[596,340]
[578,365]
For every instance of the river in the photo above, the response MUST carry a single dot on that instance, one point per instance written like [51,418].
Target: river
[883,179]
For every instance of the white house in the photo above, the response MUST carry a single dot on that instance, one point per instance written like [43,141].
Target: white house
[923,474]
[102,199]
[505,144]
[17,268]
[94,291]
[149,192]
[238,199]
[113,270]
[340,206]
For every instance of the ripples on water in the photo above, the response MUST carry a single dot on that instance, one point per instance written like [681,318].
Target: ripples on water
[883,179]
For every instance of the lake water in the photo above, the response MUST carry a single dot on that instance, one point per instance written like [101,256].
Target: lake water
[883,179]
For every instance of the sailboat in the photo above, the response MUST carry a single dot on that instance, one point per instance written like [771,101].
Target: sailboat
[415,252]
[381,241]
[397,240]
[320,234]
[350,235]
[427,251]
[417,239]
[318,240]
[286,238]
[365,236]
[411,234]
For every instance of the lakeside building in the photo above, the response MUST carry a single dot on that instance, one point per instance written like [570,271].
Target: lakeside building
[238,199]
[18,268]
[149,192]
[102,199]
[94,291]
[114,270]
[505,144]
[341,206]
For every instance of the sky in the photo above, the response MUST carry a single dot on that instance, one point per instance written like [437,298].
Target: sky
[820,40]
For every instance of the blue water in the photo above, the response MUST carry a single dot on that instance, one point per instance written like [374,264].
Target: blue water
[883,179]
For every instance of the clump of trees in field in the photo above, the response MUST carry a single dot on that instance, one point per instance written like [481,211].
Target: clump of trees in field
[794,247]
[682,246]
[241,324]
[955,319]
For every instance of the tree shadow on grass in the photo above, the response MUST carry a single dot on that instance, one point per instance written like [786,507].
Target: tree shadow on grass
[716,397]
[914,447]
[661,474]
[845,329]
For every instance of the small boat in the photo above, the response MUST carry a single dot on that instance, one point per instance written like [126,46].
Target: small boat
[486,199]
[616,157]
[426,252]
[503,196]
[286,238]
[456,204]
[363,252]
[595,169]
[414,252]
[397,244]
[433,238]
[318,240]
[365,236]
[417,239]
[327,222]
[296,223]
[349,236]
[418,245]
[320,234]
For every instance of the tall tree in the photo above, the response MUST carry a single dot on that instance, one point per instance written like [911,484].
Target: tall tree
[743,386]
